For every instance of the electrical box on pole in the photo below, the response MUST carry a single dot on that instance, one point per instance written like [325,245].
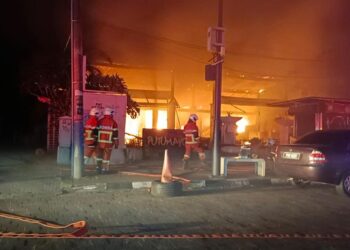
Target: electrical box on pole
[215,41]
[210,72]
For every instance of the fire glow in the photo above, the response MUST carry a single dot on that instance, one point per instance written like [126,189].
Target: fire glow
[241,124]
[133,127]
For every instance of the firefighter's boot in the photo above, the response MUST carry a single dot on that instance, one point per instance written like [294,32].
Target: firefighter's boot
[99,167]
[98,170]
[185,164]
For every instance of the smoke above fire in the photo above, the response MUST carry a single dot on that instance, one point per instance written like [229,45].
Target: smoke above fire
[302,44]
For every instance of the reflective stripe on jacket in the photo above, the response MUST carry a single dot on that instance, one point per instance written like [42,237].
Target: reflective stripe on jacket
[191,133]
[90,131]
[107,132]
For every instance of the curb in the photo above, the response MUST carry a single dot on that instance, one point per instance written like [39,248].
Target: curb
[246,182]
[67,186]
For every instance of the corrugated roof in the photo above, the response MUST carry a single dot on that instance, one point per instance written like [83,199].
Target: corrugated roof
[309,100]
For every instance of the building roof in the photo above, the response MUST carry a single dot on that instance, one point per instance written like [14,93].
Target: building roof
[309,100]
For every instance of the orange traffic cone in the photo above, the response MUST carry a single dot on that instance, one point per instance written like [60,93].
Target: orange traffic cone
[167,176]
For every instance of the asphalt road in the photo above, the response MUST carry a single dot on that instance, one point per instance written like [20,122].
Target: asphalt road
[275,209]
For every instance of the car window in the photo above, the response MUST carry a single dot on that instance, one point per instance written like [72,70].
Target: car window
[316,138]
[337,140]
[348,146]
[341,144]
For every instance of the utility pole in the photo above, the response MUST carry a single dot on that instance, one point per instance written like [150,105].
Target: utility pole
[172,104]
[217,93]
[76,92]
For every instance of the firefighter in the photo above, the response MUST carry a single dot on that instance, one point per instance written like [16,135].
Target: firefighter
[192,140]
[107,138]
[90,135]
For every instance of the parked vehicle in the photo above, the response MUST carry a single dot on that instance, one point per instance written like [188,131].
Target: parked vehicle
[322,156]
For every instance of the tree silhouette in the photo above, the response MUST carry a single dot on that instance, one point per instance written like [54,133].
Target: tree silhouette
[52,85]
[96,81]
[47,77]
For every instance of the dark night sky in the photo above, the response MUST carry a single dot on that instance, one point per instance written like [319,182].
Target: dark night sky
[30,35]
[304,42]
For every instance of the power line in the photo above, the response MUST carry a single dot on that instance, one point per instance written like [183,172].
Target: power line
[273,76]
[201,47]
[274,57]
[251,75]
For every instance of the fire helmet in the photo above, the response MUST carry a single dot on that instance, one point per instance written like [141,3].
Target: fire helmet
[108,111]
[193,117]
[95,112]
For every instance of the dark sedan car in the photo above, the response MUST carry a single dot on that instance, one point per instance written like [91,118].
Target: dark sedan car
[322,156]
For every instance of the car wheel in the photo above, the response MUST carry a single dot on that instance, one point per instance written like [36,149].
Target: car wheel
[301,182]
[170,189]
[344,185]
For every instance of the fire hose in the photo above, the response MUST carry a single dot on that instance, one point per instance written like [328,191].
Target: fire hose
[80,229]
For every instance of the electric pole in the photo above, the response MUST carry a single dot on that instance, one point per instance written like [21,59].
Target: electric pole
[217,92]
[76,92]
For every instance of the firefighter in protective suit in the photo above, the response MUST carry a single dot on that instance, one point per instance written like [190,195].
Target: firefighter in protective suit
[90,134]
[106,139]
[192,140]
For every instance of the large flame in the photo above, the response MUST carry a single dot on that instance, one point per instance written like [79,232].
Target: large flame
[241,124]
[133,127]
[162,122]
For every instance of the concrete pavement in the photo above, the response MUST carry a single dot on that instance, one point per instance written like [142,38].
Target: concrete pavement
[39,188]
[140,175]
[20,174]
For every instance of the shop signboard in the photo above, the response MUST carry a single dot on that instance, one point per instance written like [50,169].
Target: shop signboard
[155,141]
[163,138]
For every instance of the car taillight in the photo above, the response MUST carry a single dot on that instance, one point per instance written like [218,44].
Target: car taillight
[317,157]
